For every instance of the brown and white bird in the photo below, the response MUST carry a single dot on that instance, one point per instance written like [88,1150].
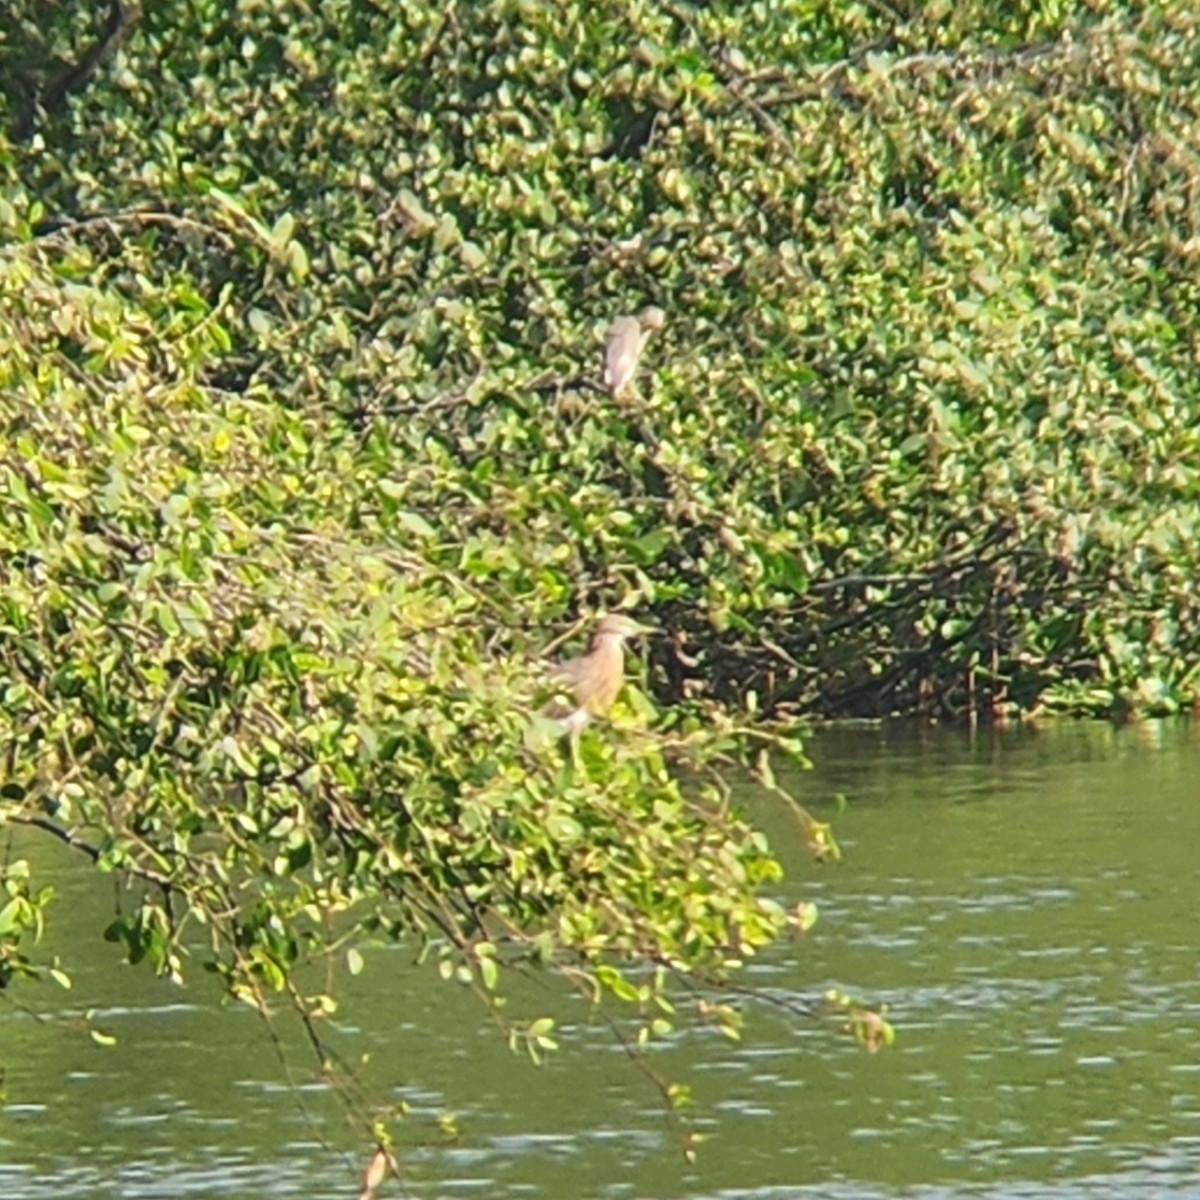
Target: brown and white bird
[595,677]
[623,346]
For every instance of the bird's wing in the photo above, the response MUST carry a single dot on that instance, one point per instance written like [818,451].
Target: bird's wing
[621,348]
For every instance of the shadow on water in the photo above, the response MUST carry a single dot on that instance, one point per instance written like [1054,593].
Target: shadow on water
[1024,902]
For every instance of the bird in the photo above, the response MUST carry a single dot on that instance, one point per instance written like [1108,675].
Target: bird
[595,677]
[376,1172]
[623,345]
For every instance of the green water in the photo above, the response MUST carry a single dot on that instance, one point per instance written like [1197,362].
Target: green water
[1025,903]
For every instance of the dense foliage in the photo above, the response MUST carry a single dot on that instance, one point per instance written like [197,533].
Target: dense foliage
[301,468]
[917,435]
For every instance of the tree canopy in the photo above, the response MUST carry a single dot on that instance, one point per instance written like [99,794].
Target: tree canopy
[303,469]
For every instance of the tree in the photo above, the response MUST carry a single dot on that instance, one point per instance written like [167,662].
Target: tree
[301,469]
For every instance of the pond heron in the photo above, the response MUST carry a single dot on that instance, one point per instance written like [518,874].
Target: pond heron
[623,346]
[595,677]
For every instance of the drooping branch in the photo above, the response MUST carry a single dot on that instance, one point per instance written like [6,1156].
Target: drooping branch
[121,19]
[70,837]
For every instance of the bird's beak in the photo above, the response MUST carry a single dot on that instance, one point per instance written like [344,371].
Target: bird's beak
[644,630]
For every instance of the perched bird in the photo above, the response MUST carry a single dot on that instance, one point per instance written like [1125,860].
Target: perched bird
[376,1172]
[623,346]
[595,677]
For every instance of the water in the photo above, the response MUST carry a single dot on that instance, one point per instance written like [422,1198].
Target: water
[1024,903]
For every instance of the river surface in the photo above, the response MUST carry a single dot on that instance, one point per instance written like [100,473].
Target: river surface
[1026,904]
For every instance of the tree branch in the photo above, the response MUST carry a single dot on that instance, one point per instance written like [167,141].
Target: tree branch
[121,19]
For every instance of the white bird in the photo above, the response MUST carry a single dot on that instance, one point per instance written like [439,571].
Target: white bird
[623,346]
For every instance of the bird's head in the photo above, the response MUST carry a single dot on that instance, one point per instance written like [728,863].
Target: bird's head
[619,627]
[651,317]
